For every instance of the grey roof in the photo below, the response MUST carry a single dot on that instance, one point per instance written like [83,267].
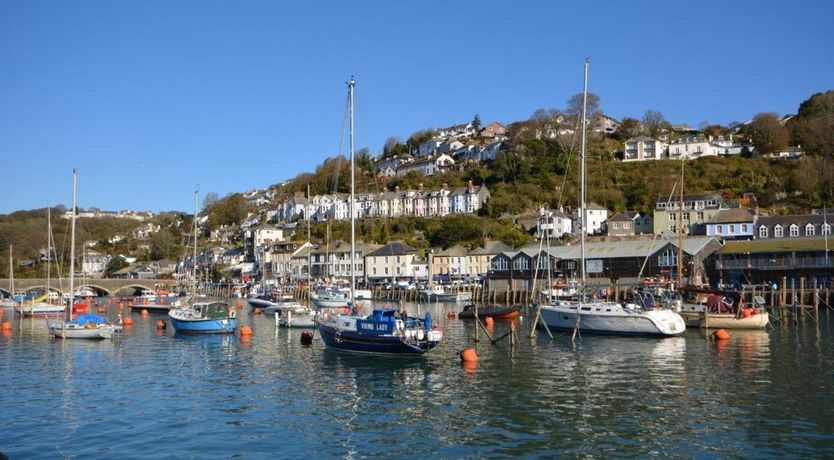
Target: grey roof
[623,249]
[641,139]
[394,248]
[490,248]
[593,205]
[620,217]
[799,219]
[730,216]
[454,251]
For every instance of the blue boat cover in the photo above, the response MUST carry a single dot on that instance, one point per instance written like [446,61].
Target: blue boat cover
[84,319]
[427,321]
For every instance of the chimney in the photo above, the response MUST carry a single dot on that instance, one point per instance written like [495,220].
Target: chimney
[445,186]
[470,185]
[397,188]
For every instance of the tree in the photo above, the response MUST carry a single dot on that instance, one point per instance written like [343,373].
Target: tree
[574,108]
[210,199]
[767,133]
[714,130]
[629,127]
[654,122]
[814,124]
[476,123]
[364,160]
[117,262]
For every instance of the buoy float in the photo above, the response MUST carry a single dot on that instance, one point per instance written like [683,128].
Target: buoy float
[160,324]
[721,334]
[7,326]
[450,315]
[128,322]
[306,338]
[101,309]
[144,312]
[468,355]
[489,321]
[245,330]
[257,311]
[470,366]
[239,304]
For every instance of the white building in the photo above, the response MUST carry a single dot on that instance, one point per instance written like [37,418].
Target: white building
[553,224]
[643,148]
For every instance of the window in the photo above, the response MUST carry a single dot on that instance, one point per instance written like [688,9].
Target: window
[778,232]
[626,225]
[744,228]
[543,263]
[809,230]
[826,229]
[669,258]
[499,264]
[718,229]
[732,230]
[522,263]
[794,230]
[762,232]
[615,225]
[700,216]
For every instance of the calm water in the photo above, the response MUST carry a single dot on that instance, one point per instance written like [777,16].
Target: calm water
[161,395]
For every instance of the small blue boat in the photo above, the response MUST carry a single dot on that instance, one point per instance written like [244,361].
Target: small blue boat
[384,331]
[204,318]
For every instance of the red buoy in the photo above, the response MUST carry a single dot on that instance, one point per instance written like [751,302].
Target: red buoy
[468,355]
[721,334]
[245,330]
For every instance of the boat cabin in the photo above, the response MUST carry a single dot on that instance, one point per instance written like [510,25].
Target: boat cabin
[212,310]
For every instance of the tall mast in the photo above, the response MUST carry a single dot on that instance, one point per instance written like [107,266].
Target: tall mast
[351,86]
[310,249]
[194,254]
[72,241]
[582,204]
[11,271]
[680,233]
[48,249]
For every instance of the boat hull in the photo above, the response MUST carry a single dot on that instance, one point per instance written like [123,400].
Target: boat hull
[73,331]
[661,323]
[355,342]
[204,326]
[152,308]
[40,310]
[726,320]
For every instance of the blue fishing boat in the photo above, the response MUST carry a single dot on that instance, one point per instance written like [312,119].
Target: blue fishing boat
[204,318]
[384,331]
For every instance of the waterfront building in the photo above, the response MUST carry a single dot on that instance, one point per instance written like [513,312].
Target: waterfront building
[389,263]
[697,211]
[643,148]
[731,224]
[768,261]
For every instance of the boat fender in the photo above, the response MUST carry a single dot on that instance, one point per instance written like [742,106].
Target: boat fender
[231,313]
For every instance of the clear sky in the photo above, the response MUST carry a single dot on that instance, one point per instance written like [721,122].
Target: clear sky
[150,99]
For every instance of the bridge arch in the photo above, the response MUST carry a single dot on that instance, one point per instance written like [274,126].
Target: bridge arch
[100,291]
[132,289]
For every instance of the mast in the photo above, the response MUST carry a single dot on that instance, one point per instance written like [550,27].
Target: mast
[194,253]
[582,204]
[48,249]
[72,241]
[310,249]
[351,87]
[680,233]
[11,272]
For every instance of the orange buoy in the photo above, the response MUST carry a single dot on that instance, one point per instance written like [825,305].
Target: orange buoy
[144,312]
[127,322]
[468,355]
[721,334]
[489,321]
[257,311]
[239,304]
[306,338]
[7,326]
[245,330]
[450,315]
[160,324]
[470,366]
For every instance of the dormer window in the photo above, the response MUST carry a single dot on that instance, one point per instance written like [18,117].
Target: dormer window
[826,229]
[762,232]
[809,230]
[778,231]
[794,230]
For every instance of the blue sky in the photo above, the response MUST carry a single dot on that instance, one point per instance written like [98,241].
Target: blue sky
[150,99]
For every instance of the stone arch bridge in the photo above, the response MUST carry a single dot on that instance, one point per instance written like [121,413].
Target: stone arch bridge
[102,287]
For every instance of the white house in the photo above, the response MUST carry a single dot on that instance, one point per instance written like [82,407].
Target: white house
[428,166]
[692,147]
[595,218]
[553,224]
[390,262]
[642,148]
[430,147]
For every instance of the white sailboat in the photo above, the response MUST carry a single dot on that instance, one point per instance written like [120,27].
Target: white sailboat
[10,301]
[42,307]
[594,316]
[85,326]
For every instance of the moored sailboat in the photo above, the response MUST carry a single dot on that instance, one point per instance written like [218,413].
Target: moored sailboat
[599,317]
[385,330]
[85,326]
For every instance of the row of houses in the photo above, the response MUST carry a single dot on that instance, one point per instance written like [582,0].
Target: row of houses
[645,148]
[441,156]
[396,203]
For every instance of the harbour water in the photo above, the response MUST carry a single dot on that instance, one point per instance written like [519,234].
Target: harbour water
[152,393]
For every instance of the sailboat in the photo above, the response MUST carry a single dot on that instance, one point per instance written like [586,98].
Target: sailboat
[85,326]
[203,317]
[595,316]
[385,330]
[42,307]
[10,301]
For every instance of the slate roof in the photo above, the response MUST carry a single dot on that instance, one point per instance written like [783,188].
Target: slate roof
[768,245]
[731,216]
[394,248]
